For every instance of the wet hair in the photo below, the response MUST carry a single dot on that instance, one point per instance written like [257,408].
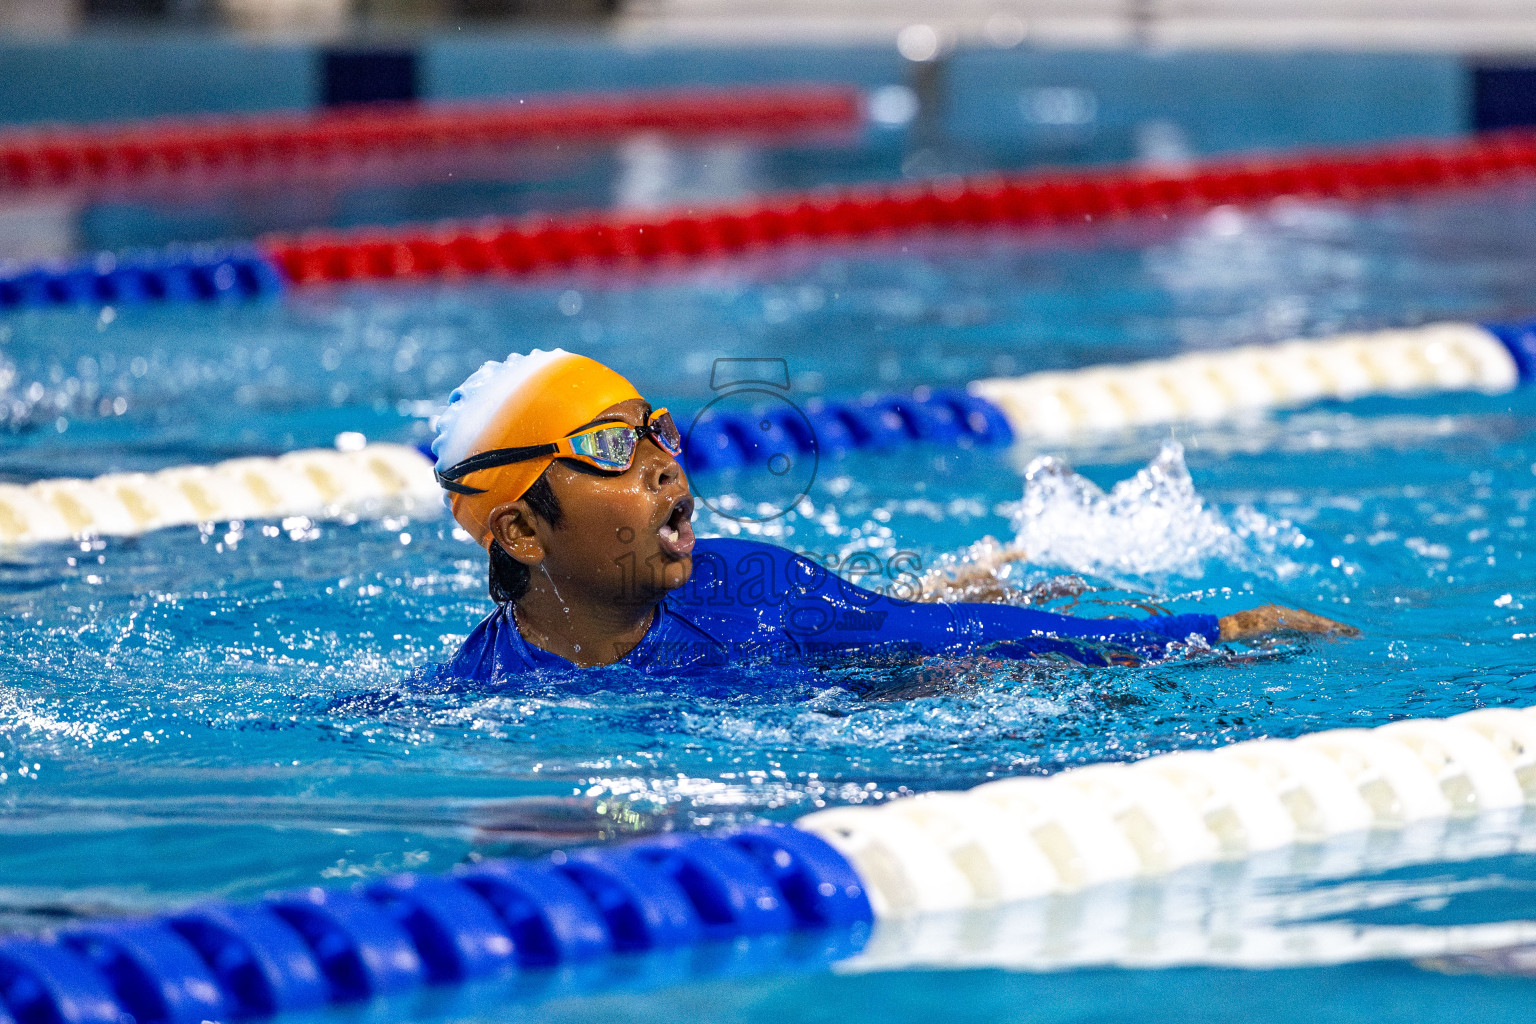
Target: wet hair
[507,577]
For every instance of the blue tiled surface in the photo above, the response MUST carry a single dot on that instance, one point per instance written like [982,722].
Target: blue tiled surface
[97,78]
[1092,104]
[1220,101]
[456,68]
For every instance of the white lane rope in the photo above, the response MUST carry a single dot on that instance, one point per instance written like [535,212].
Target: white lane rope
[1205,387]
[1306,904]
[322,483]
[1020,838]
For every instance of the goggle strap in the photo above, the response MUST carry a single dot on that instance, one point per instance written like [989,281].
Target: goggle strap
[455,488]
[489,460]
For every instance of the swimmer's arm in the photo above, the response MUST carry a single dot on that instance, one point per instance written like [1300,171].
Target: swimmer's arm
[985,623]
[1004,622]
[1254,623]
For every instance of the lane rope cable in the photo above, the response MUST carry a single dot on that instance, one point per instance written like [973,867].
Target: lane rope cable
[620,239]
[1041,408]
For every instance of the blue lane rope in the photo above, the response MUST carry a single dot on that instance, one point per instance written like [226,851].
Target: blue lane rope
[201,273]
[315,947]
[1520,339]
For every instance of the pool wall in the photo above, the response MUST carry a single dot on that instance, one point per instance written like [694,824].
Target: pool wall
[1058,105]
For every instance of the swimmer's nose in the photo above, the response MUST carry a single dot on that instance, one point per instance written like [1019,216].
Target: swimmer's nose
[662,470]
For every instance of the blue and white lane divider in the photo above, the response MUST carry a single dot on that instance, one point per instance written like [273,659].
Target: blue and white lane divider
[1000,843]
[176,274]
[1199,387]
[316,947]
[1038,409]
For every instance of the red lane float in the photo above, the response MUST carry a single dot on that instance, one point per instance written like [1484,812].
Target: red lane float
[168,150]
[1037,199]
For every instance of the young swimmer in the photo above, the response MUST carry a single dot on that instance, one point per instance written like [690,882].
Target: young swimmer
[571,480]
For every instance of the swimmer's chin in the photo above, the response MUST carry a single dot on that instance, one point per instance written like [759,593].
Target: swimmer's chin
[675,574]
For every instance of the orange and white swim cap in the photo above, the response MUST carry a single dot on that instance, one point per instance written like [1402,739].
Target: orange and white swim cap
[525,400]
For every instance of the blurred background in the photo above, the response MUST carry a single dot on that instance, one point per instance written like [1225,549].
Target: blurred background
[954,87]
[1492,25]
[1449,64]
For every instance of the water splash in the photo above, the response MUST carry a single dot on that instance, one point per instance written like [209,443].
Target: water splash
[1148,527]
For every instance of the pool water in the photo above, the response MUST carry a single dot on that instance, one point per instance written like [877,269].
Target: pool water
[224,709]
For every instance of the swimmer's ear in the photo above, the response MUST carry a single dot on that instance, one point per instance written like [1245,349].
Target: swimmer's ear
[512,526]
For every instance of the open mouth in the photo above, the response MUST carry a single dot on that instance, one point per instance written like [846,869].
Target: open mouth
[676,532]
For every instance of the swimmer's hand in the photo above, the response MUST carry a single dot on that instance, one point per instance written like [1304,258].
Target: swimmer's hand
[1269,619]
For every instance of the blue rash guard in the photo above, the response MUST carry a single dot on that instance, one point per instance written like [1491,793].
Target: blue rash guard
[748,601]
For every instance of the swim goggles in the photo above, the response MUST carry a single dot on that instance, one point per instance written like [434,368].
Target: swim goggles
[609,447]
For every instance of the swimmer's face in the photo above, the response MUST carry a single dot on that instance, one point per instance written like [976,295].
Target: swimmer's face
[625,537]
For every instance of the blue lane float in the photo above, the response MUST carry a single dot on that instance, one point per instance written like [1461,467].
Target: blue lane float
[1520,339]
[316,947]
[190,274]
[729,440]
